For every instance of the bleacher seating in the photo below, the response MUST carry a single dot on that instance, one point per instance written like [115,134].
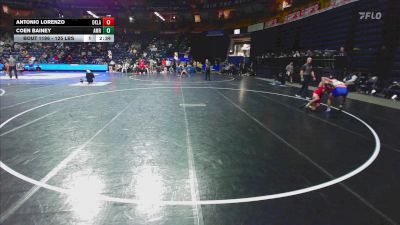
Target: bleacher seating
[339,27]
[126,46]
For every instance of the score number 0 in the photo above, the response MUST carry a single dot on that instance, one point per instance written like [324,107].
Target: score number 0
[108,21]
[108,25]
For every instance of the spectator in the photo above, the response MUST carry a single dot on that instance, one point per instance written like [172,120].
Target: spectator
[392,91]
[12,67]
[55,58]
[20,68]
[69,59]
[369,87]
[207,70]
[125,67]
[342,52]
[290,71]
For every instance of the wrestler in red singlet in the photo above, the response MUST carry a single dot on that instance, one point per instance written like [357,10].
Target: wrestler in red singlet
[319,91]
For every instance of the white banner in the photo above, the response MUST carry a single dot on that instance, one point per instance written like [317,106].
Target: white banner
[255,27]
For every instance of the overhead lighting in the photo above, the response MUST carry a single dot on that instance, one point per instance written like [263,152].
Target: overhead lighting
[92,14]
[159,16]
[130,19]
[286,4]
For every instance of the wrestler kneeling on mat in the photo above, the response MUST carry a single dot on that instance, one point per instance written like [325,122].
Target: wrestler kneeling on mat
[339,91]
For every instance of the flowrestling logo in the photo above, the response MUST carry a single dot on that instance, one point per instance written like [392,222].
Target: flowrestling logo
[370,15]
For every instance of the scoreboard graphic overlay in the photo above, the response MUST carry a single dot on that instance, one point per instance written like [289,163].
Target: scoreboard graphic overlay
[64,30]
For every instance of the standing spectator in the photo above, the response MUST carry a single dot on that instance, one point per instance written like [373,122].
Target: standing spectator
[125,67]
[290,71]
[306,73]
[20,68]
[242,68]
[342,63]
[168,65]
[342,52]
[152,64]
[12,62]
[207,69]
[251,69]
[174,66]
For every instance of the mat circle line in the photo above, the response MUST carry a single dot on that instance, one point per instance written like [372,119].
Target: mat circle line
[199,202]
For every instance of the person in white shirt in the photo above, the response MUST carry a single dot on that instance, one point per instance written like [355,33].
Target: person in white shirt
[125,67]
[168,65]
[20,68]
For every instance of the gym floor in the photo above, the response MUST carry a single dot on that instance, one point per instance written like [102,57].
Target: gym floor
[161,149]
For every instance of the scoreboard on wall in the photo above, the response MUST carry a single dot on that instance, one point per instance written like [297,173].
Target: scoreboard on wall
[64,30]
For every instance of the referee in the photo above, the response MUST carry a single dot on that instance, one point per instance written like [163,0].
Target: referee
[13,67]
[306,74]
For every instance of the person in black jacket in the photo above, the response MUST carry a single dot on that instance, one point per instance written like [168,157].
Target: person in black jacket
[89,76]
[208,69]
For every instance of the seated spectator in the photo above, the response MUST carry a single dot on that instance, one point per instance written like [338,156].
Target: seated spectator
[183,69]
[31,60]
[392,91]
[69,59]
[369,87]
[350,80]
[55,58]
